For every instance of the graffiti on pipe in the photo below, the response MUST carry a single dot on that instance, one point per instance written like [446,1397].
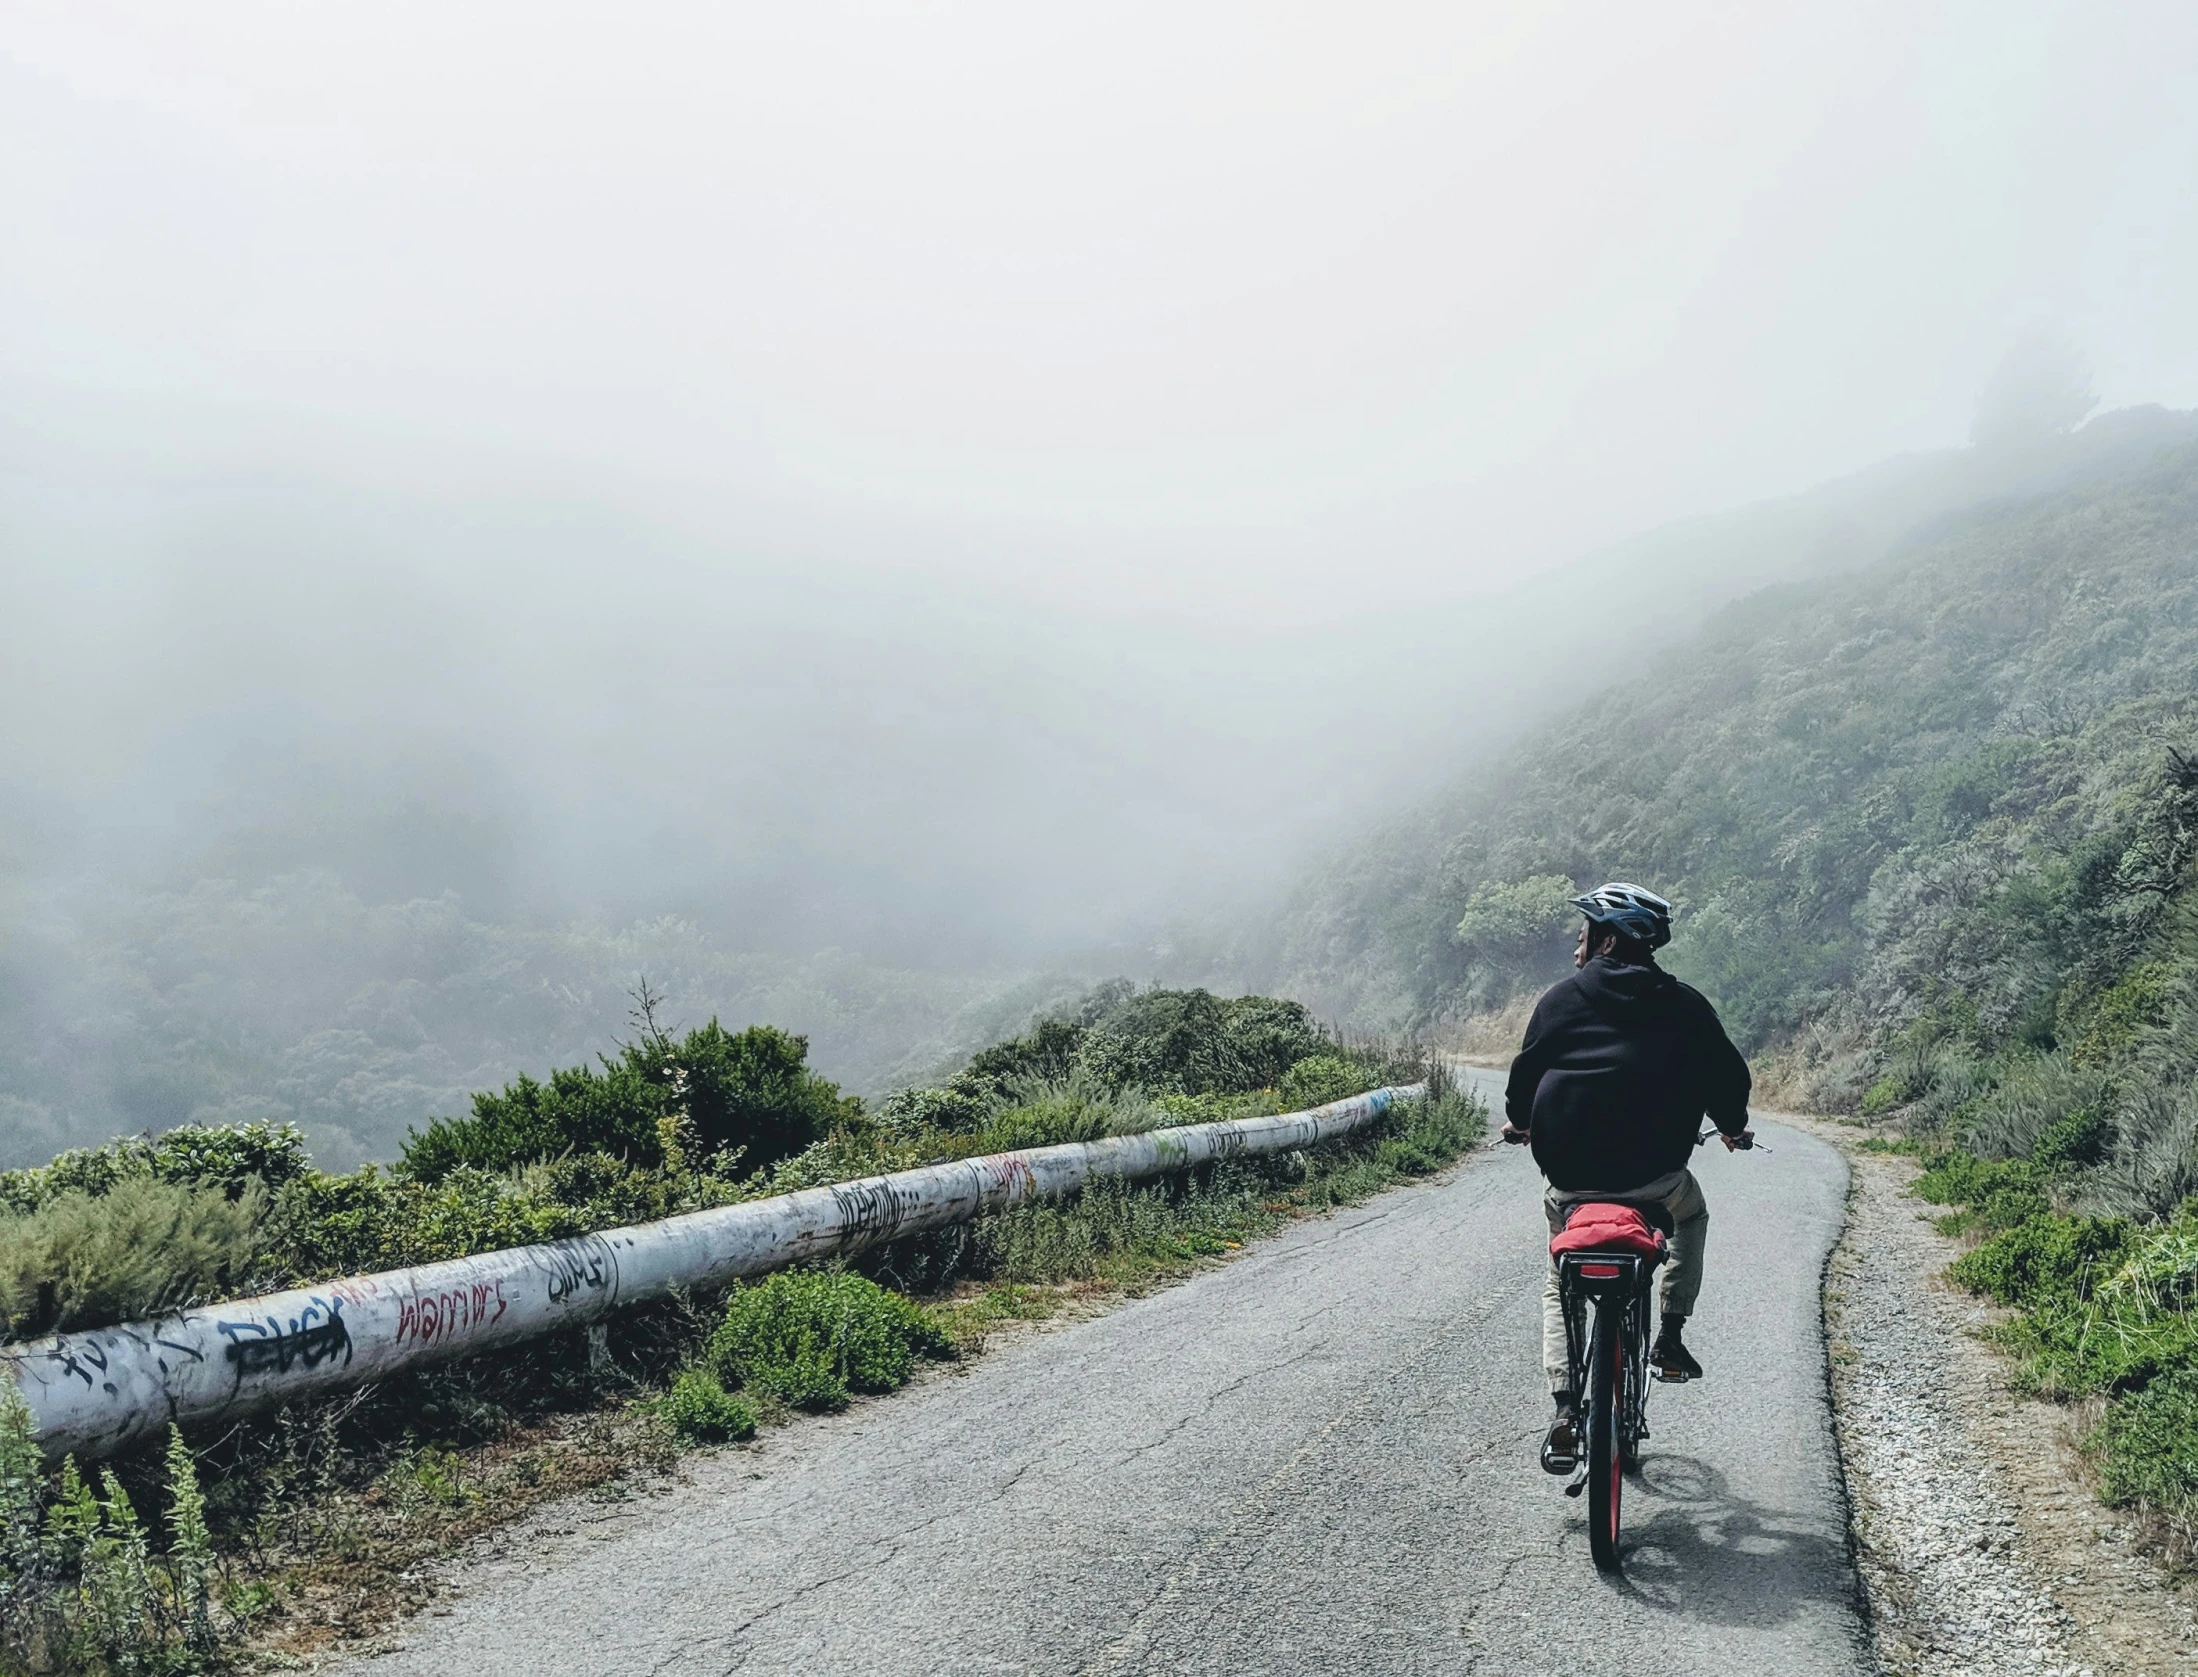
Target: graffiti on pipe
[315,1335]
[180,1349]
[427,1317]
[871,1210]
[1010,1174]
[94,1395]
[575,1266]
[80,1360]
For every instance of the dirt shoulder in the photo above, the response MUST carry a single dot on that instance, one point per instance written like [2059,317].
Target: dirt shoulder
[1981,1543]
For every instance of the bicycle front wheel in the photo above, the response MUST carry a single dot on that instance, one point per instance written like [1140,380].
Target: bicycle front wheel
[1606,1467]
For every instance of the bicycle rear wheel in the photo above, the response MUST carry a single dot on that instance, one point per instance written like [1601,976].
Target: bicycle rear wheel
[1606,1467]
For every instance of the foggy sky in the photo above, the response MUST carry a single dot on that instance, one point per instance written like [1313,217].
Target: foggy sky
[980,458]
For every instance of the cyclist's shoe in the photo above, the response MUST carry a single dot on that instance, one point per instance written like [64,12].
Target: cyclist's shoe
[1561,1449]
[1670,1358]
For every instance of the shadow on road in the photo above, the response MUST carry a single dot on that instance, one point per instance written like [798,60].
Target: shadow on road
[1695,1549]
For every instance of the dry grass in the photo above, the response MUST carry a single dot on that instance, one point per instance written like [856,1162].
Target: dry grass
[1490,1036]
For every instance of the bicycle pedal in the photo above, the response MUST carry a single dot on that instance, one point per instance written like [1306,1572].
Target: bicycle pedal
[1670,1379]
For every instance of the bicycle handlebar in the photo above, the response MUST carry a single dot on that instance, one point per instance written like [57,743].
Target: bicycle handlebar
[1744,1142]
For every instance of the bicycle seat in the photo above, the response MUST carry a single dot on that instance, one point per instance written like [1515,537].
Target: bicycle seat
[1601,1226]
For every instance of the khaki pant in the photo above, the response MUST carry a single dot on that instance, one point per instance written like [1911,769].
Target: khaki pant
[1681,1196]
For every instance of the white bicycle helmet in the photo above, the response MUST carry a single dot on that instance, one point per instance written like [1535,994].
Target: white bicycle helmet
[1629,911]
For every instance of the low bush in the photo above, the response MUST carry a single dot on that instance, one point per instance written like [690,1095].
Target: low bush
[2147,1447]
[702,1411]
[1990,1194]
[323,1226]
[2042,1259]
[813,1338]
[1320,1078]
[745,1094]
[1128,1233]
[227,1156]
[912,1112]
[1194,1042]
[1078,1107]
[142,1246]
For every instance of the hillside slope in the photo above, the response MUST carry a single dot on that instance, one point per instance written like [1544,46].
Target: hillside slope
[1931,815]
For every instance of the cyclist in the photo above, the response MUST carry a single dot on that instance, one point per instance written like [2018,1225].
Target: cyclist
[1619,1063]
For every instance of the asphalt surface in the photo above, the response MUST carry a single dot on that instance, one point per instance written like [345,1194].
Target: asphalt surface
[1317,1458]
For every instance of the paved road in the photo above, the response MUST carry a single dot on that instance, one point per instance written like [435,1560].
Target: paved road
[1316,1459]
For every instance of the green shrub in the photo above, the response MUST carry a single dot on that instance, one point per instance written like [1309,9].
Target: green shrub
[1882,1096]
[1432,1133]
[702,1411]
[912,1112]
[2069,1348]
[231,1155]
[1051,1050]
[2045,1260]
[577,1110]
[2147,1447]
[140,1248]
[1194,1042]
[228,1156]
[323,1226]
[2135,1004]
[1215,1109]
[2078,1139]
[1957,1178]
[810,1338]
[118,1577]
[2040,1107]
[1125,1231]
[750,1091]
[1516,932]
[190,1547]
[1111,1222]
[1320,1078]
[1074,1108]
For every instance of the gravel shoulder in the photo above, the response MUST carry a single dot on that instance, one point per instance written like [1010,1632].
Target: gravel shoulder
[1982,1547]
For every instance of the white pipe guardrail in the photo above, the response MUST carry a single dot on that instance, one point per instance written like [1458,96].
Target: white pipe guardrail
[101,1391]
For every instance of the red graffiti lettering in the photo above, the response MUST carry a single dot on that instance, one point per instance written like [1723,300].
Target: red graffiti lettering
[428,1317]
[1008,1170]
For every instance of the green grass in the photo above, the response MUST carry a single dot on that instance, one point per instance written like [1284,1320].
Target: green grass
[2102,1309]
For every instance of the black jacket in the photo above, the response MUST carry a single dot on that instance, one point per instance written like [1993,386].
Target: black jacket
[1619,1064]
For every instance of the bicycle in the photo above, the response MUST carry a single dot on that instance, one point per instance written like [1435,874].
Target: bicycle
[1611,1378]
[1609,1261]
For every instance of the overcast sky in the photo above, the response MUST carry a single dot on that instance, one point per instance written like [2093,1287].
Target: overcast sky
[529,399]
[1178,292]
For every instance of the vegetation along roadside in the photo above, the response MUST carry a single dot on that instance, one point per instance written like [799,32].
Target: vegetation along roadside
[257,1541]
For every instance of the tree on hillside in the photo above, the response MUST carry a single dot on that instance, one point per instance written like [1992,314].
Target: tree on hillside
[1515,929]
